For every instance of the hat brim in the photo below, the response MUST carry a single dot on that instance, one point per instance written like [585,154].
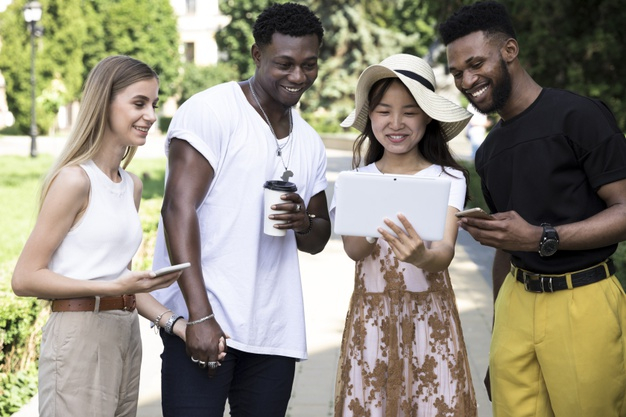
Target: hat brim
[452,117]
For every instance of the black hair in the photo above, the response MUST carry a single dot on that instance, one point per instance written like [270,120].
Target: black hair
[490,17]
[433,146]
[289,19]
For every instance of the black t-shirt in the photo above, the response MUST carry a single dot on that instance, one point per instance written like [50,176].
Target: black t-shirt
[547,163]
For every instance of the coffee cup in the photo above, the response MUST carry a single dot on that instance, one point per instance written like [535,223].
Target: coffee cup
[273,191]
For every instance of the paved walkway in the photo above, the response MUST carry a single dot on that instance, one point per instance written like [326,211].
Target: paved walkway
[327,281]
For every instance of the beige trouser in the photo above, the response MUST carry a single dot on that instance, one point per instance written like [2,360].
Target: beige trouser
[89,364]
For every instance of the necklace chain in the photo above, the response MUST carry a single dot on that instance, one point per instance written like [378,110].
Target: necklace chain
[279,148]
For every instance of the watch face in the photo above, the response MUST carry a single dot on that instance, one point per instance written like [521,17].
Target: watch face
[549,247]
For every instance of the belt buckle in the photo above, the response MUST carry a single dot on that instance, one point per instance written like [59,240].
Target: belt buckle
[129,302]
[529,277]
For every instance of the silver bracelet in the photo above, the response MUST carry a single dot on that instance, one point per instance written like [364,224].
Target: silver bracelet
[169,326]
[158,319]
[308,230]
[191,323]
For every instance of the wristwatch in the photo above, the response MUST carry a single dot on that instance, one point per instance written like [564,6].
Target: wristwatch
[549,243]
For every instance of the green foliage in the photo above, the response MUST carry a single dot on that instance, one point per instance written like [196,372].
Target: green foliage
[164,123]
[561,49]
[19,347]
[78,34]
[16,389]
[196,79]
[146,30]
[15,63]
[236,38]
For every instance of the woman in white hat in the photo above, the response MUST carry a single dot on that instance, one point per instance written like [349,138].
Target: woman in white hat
[403,352]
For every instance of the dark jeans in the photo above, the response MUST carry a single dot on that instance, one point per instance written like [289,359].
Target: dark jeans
[255,385]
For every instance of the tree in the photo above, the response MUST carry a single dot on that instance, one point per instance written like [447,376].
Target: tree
[78,34]
[236,38]
[196,78]
[58,65]
[143,29]
[575,45]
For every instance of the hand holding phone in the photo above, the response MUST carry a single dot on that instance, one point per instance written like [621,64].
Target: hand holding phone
[170,269]
[476,213]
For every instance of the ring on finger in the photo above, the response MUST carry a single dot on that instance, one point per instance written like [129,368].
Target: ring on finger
[298,207]
[194,360]
[213,364]
[202,364]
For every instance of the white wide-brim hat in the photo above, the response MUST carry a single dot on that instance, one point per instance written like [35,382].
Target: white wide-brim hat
[418,77]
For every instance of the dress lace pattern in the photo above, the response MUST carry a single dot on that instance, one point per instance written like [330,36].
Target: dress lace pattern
[403,353]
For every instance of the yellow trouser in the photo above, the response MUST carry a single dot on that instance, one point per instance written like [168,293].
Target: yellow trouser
[559,354]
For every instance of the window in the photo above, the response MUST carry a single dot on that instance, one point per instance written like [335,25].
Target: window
[191,6]
[190,52]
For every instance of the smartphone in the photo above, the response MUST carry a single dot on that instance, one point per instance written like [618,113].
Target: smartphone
[476,213]
[170,269]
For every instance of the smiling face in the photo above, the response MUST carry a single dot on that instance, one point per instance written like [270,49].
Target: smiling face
[132,113]
[287,67]
[398,123]
[480,72]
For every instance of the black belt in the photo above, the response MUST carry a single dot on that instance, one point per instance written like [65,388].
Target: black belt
[550,283]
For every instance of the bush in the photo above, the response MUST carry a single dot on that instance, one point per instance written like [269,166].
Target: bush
[164,123]
[21,320]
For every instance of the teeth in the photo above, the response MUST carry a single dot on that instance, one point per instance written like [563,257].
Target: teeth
[479,92]
[292,90]
[143,129]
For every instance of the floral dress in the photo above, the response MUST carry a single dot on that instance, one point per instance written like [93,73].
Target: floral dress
[403,353]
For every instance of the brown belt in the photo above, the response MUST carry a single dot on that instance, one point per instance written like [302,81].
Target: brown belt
[121,302]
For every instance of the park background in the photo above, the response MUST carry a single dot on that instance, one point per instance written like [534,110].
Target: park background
[573,44]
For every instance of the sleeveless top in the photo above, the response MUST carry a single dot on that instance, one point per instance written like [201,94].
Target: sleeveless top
[103,242]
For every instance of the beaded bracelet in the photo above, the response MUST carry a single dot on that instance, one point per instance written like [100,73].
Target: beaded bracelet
[307,231]
[169,326]
[158,319]
[191,323]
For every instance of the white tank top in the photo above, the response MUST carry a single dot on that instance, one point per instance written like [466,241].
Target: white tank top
[103,242]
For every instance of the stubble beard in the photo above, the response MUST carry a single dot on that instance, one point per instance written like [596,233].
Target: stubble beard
[501,92]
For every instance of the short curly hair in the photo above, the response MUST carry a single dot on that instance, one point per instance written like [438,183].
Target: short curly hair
[289,19]
[490,17]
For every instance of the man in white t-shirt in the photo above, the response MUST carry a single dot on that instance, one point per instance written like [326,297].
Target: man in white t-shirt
[223,144]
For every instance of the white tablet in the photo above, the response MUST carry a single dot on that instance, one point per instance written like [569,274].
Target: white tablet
[365,199]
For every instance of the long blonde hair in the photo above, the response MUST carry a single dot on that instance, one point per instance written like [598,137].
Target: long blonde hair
[105,81]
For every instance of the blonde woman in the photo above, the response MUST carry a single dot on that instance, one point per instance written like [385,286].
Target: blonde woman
[80,250]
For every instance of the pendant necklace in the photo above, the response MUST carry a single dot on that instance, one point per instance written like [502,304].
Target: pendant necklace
[279,149]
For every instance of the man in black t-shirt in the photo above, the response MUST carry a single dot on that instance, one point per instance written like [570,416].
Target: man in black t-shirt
[553,173]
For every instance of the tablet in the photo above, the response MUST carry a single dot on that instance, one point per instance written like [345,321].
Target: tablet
[365,199]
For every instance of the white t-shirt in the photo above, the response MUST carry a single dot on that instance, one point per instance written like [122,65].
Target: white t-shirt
[253,280]
[458,186]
